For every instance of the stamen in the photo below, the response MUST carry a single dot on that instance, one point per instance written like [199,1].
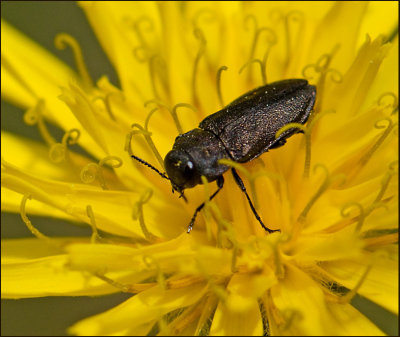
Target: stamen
[58,152]
[321,68]
[307,135]
[89,173]
[61,42]
[307,131]
[271,40]
[34,115]
[349,296]
[290,317]
[139,27]
[384,185]
[162,73]
[291,17]
[389,127]
[141,54]
[93,171]
[28,223]
[250,177]
[95,234]
[112,161]
[184,320]
[262,69]
[198,33]
[275,245]
[137,213]
[219,72]
[360,218]
[205,14]
[131,288]
[327,181]
[165,106]
[106,101]
[184,282]
[259,174]
[175,116]
[394,105]
[147,137]
[152,263]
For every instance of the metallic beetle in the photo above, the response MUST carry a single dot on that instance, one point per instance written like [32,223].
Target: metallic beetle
[241,131]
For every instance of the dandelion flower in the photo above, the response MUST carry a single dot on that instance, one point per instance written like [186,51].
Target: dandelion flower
[331,191]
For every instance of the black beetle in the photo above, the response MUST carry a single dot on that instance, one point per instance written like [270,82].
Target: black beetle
[241,131]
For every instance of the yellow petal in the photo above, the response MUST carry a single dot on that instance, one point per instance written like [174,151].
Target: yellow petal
[227,322]
[380,284]
[31,73]
[148,306]
[305,312]
[32,268]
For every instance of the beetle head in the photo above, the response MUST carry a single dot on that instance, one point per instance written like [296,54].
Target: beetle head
[181,170]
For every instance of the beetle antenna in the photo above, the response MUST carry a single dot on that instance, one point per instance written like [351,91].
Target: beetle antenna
[240,183]
[163,175]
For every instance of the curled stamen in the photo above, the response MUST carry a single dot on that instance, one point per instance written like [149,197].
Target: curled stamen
[93,171]
[71,137]
[200,36]
[106,101]
[262,69]
[205,14]
[28,223]
[34,115]
[271,40]
[394,105]
[58,151]
[95,237]
[175,116]
[139,27]
[89,173]
[147,137]
[61,42]
[389,127]
[137,213]
[345,212]
[219,72]
[321,67]
[171,111]
[384,185]
[152,263]
[141,54]
[291,17]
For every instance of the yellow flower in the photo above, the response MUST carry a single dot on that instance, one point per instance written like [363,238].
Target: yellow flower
[331,191]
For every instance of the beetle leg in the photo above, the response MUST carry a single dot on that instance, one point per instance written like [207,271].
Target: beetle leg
[220,184]
[240,183]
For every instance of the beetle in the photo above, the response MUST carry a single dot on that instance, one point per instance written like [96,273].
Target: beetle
[241,131]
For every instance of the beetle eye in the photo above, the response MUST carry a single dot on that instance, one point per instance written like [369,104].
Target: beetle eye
[189,168]
[181,170]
